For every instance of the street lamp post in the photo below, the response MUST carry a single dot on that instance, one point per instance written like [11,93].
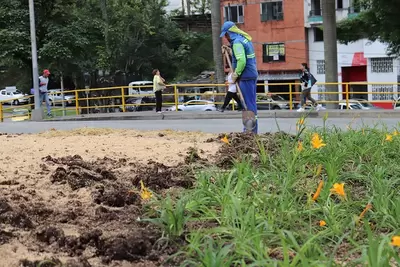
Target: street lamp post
[37,114]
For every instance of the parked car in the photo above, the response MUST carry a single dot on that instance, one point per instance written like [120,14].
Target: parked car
[364,104]
[136,104]
[55,98]
[195,105]
[396,103]
[352,105]
[140,87]
[273,102]
[15,97]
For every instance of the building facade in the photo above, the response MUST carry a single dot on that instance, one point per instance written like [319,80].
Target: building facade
[287,33]
[279,38]
[361,61]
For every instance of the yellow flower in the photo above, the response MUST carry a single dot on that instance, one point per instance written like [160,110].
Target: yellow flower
[389,138]
[145,194]
[368,207]
[301,121]
[300,146]
[395,241]
[396,133]
[338,189]
[318,192]
[225,140]
[316,141]
[319,170]
[322,223]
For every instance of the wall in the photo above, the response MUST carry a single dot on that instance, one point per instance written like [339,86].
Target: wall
[290,31]
[347,57]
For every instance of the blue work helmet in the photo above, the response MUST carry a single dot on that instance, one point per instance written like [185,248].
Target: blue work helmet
[225,28]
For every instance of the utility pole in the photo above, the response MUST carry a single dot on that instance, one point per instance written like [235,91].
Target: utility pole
[330,51]
[216,31]
[37,114]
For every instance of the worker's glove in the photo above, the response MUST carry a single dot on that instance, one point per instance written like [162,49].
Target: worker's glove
[235,76]
[226,48]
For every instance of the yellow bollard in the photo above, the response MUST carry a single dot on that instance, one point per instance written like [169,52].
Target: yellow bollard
[176,97]
[123,99]
[290,97]
[76,102]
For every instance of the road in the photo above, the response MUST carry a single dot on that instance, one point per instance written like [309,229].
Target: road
[210,126]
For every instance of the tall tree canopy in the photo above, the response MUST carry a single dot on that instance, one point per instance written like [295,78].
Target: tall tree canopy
[377,20]
[85,36]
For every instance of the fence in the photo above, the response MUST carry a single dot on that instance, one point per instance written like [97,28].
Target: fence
[140,98]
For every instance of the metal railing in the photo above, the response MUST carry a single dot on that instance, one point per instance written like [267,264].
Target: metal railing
[138,98]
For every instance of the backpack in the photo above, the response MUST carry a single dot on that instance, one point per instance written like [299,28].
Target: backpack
[312,79]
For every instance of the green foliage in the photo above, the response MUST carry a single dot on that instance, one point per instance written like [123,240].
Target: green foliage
[74,37]
[265,215]
[378,21]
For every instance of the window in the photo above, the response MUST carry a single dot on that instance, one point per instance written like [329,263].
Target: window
[318,35]
[271,11]
[378,89]
[339,4]
[382,65]
[234,13]
[273,52]
[320,66]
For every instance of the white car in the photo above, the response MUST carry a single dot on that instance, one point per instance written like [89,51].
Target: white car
[195,105]
[15,97]
[352,105]
[56,98]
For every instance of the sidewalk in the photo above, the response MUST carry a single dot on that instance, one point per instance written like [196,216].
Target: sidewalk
[182,115]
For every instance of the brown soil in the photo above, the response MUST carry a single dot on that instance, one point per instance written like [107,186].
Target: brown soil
[71,198]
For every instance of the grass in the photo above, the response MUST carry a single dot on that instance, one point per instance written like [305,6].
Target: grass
[326,200]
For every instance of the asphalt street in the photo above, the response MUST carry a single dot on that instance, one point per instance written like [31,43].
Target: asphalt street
[204,125]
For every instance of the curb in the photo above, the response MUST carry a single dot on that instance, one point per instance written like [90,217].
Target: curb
[228,115]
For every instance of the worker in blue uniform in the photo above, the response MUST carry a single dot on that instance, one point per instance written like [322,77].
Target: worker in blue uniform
[244,64]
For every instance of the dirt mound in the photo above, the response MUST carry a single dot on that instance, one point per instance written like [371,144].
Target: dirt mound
[54,262]
[79,173]
[158,176]
[247,144]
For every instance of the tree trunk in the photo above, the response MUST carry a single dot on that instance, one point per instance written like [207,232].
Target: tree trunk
[188,7]
[216,30]
[330,51]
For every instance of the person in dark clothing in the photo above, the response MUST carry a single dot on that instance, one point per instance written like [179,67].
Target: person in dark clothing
[306,84]
[231,94]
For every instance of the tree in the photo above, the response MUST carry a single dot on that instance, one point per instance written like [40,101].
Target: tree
[330,51]
[377,20]
[202,6]
[216,29]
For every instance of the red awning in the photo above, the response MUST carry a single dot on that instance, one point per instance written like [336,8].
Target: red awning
[359,59]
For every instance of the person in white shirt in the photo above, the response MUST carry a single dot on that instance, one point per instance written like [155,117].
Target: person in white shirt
[43,90]
[231,94]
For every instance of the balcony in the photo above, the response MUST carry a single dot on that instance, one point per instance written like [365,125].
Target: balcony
[315,16]
[353,12]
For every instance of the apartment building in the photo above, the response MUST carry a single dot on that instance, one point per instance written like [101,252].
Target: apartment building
[279,38]
[361,61]
[287,33]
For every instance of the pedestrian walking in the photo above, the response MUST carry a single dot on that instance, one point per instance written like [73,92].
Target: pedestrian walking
[307,81]
[44,92]
[158,87]
[232,93]
[244,66]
